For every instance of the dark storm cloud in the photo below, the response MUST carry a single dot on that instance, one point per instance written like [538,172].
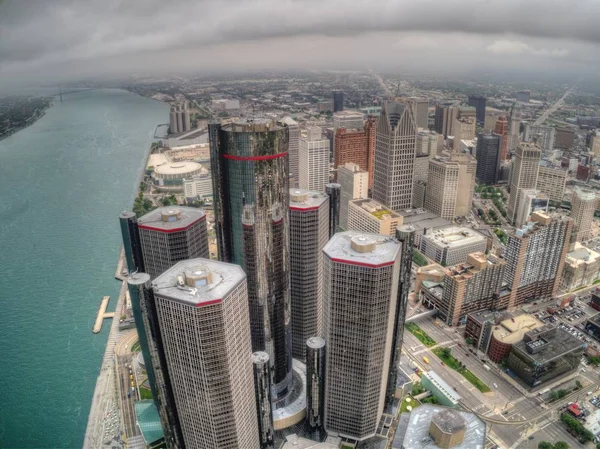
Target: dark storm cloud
[48,32]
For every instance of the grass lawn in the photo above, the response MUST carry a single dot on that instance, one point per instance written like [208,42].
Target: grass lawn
[419,258]
[413,403]
[145,393]
[420,334]
[136,347]
[453,363]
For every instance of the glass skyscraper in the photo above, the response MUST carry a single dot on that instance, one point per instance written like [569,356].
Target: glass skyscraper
[249,162]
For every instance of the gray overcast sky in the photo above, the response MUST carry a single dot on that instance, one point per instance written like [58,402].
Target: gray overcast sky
[50,38]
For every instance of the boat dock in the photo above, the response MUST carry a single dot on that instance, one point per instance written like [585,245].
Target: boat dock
[102,313]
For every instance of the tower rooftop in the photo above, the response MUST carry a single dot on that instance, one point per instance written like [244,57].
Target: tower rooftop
[358,248]
[171,218]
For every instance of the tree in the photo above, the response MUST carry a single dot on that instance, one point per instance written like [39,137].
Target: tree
[561,445]
[446,352]
[470,341]
[578,384]
[594,360]
[545,445]
[554,395]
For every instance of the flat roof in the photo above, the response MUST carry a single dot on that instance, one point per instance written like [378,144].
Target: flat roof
[306,200]
[177,168]
[556,344]
[153,220]
[417,429]
[225,278]
[339,249]
[453,236]
[581,253]
[442,385]
[512,330]
[295,442]
[421,219]
[375,208]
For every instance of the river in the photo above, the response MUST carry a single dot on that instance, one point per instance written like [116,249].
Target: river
[63,182]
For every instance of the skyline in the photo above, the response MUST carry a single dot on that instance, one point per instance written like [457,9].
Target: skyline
[68,40]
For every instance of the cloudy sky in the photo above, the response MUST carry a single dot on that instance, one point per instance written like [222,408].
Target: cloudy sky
[75,38]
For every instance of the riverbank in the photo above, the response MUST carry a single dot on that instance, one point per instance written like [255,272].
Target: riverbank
[13,116]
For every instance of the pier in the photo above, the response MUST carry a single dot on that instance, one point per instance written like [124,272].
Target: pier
[102,313]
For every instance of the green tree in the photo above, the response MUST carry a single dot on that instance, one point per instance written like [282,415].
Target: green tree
[470,341]
[545,445]
[561,445]
[594,360]
[446,352]
[578,384]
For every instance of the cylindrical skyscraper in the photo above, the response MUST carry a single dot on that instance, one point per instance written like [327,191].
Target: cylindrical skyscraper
[360,287]
[309,233]
[334,191]
[315,385]
[131,242]
[249,162]
[406,236]
[202,313]
[262,393]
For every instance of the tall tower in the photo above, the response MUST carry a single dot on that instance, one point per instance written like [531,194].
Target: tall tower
[488,158]
[338,100]
[315,385]
[524,175]
[583,207]
[171,234]
[173,124]
[313,161]
[202,314]
[502,130]
[249,162]
[360,284]
[309,232]
[479,103]
[406,236]
[333,191]
[394,156]
[450,185]
[293,147]
[146,323]
[262,394]
[132,244]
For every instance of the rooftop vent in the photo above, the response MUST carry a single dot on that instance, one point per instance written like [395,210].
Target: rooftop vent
[363,244]
[198,276]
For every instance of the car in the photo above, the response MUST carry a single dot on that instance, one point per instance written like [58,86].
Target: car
[531,437]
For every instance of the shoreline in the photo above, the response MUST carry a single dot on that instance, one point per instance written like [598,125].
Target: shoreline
[30,121]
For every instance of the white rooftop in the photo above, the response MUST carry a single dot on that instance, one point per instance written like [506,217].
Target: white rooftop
[224,278]
[454,236]
[386,249]
[306,199]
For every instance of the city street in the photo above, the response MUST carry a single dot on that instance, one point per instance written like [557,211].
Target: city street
[127,394]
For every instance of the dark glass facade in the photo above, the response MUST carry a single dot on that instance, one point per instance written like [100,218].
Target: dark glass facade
[131,242]
[144,310]
[315,386]
[406,237]
[488,158]
[250,178]
[338,100]
[334,191]
[479,104]
[262,387]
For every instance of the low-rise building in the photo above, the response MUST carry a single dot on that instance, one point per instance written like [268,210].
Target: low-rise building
[199,186]
[451,245]
[582,267]
[544,354]
[437,427]
[423,222]
[508,333]
[480,326]
[592,326]
[372,217]
[430,273]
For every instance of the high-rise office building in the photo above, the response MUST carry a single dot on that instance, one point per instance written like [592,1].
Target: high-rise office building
[479,103]
[531,201]
[313,161]
[450,185]
[440,119]
[334,192]
[262,393]
[583,206]
[250,173]
[502,130]
[309,232]
[421,111]
[173,125]
[488,158]
[535,256]
[356,146]
[360,284]
[524,175]
[293,148]
[406,236]
[428,143]
[395,144]
[338,100]
[202,313]
[564,138]
[463,129]
[169,235]
[132,244]
[315,385]
[151,344]
[354,184]
[552,181]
